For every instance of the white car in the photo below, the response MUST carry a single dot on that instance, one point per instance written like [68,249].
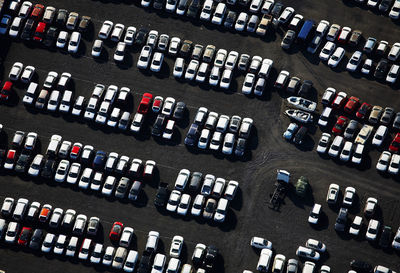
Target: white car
[74,42]
[372,230]
[393,74]
[349,196]
[130,35]
[219,14]
[119,54]
[27,74]
[260,243]
[307,253]
[174,46]
[214,76]
[152,38]
[62,171]
[336,57]
[157,62]
[248,83]
[184,204]
[380,135]
[60,244]
[36,165]
[173,200]
[395,11]
[144,58]
[62,39]
[168,106]
[74,172]
[208,185]
[327,51]
[282,79]
[336,146]
[109,185]
[286,15]
[394,164]
[202,72]
[255,5]
[48,242]
[182,179]
[25,9]
[383,161]
[205,14]
[51,78]
[198,204]
[72,246]
[56,217]
[316,245]
[394,52]
[355,226]
[130,261]
[220,57]
[108,255]
[347,151]
[176,246]
[323,143]
[16,71]
[354,61]
[117,32]
[322,28]
[265,260]
[114,117]
[159,263]
[97,48]
[358,154]
[179,67]
[241,21]
[105,29]
[97,253]
[366,68]
[267,6]
[174,265]
[15,27]
[85,249]
[191,70]
[290,131]
[226,79]
[137,122]
[396,240]
[229,142]
[126,237]
[204,138]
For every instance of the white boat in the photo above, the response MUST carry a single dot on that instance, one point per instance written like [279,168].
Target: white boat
[299,115]
[302,103]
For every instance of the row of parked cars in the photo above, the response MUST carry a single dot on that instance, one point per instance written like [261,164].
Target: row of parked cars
[383,6]
[208,129]
[45,25]
[32,213]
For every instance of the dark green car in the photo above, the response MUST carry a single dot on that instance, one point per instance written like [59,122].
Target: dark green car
[302,186]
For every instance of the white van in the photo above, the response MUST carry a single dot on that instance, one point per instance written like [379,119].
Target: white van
[65,104]
[219,14]
[54,145]
[222,208]
[30,94]
[264,260]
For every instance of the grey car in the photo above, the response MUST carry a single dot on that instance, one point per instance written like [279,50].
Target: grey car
[36,239]
[195,182]
[244,61]
[122,187]
[396,121]
[179,111]
[234,124]
[287,41]
[351,129]
[292,266]
[252,23]
[387,115]
[93,225]
[341,220]
[240,146]
[230,19]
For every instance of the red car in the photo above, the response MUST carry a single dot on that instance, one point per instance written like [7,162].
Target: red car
[145,103]
[363,110]
[6,90]
[40,32]
[25,236]
[116,231]
[395,145]
[75,151]
[351,105]
[341,123]
[10,159]
[37,12]
[339,100]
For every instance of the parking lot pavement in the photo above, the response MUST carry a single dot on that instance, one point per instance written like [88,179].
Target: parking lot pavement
[249,215]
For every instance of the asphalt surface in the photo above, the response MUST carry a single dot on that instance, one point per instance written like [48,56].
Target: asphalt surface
[249,214]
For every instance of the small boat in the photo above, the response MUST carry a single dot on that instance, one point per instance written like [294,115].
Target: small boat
[299,115]
[302,103]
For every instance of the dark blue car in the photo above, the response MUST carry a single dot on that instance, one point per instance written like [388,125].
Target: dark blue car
[99,160]
[192,135]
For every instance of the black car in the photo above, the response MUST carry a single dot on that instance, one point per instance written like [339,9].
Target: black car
[341,220]
[2,156]
[361,266]
[162,195]
[48,168]
[300,135]
[243,2]
[36,239]
[62,17]
[145,262]
[141,36]
[179,111]
[230,19]
[305,88]
[210,257]
[240,146]
[277,9]
[159,125]
[193,9]
[27,30]
[381,69]
[22,163]
[158,4]
[386,237]
[99,160]
[192,135]
[195,182]
[51,37]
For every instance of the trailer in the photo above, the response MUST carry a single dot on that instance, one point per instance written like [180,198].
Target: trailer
[281,187]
